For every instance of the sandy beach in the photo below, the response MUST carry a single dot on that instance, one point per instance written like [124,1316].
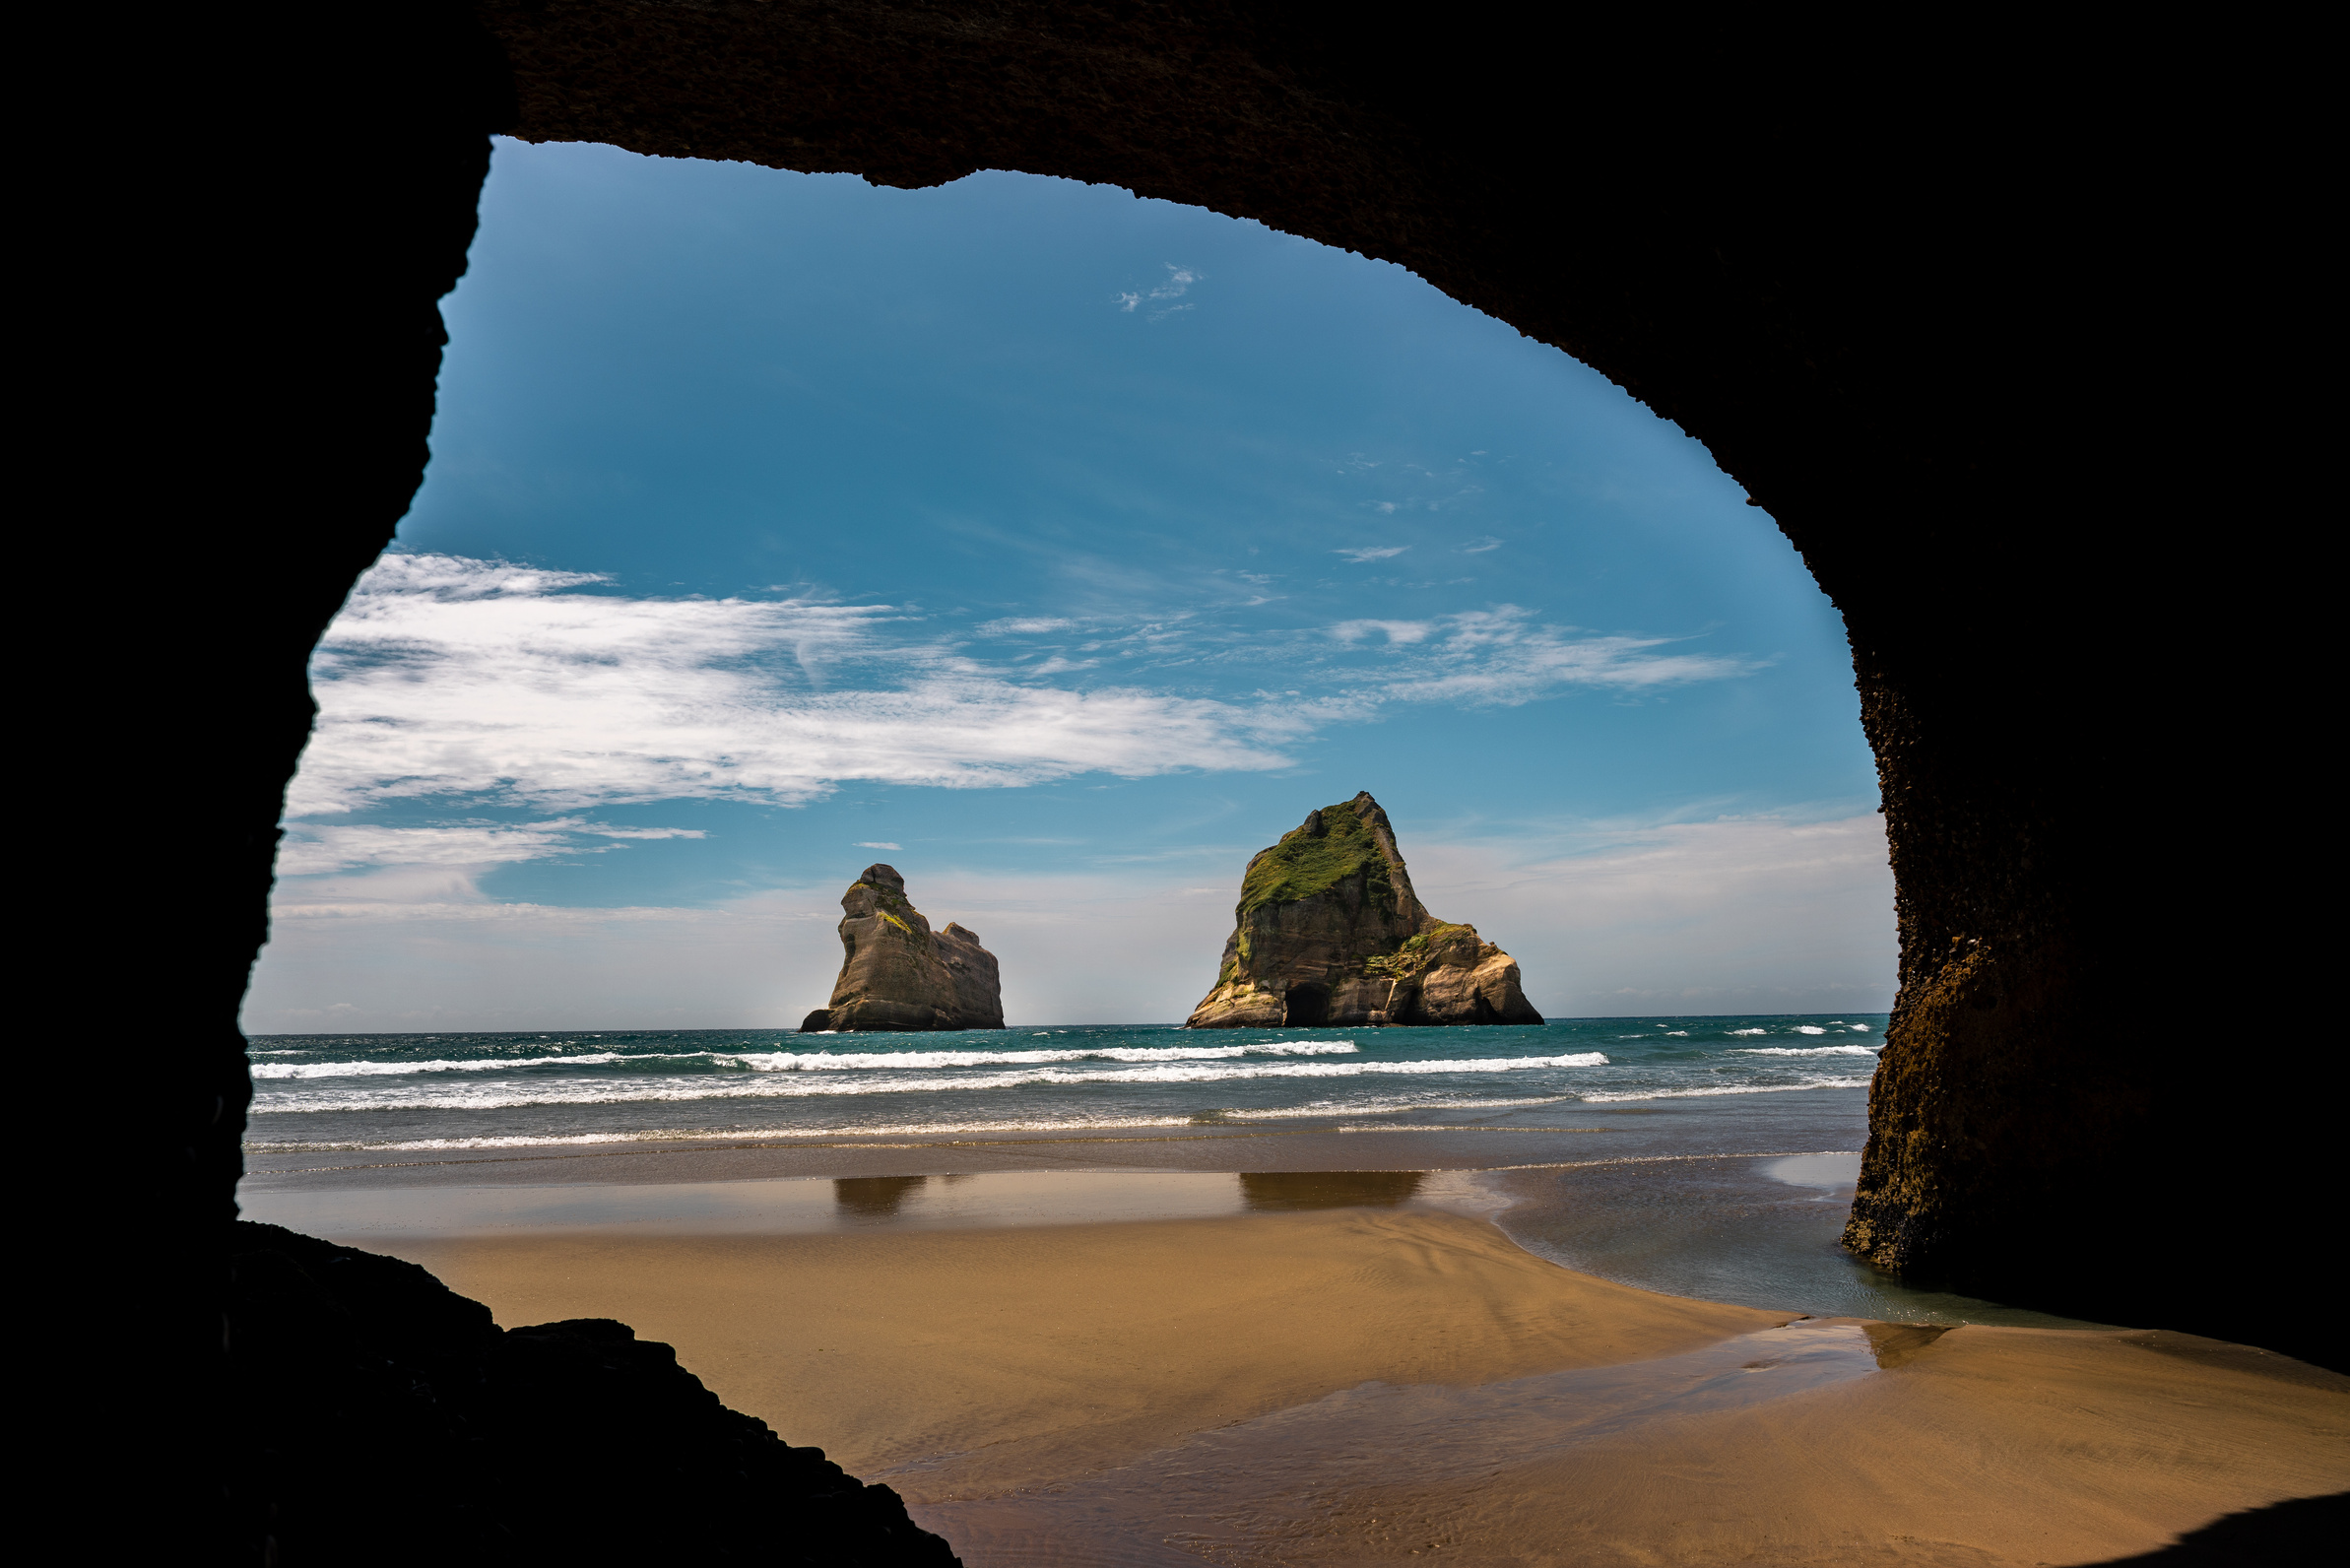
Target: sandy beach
[1364,1384]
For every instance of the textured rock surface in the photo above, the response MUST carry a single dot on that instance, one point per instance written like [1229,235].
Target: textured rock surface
[384,1418]
[1327,931]
[896,973]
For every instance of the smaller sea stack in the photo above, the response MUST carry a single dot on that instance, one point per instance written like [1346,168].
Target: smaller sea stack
[1327,931]
[896,973]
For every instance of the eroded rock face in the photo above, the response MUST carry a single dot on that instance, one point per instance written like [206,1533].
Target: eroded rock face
[1327,931]
[896,973]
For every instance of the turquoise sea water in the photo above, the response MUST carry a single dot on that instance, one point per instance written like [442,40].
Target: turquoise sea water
[440,1091]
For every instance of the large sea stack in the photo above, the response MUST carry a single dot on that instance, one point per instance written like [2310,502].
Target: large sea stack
[896,973]
[1329,931]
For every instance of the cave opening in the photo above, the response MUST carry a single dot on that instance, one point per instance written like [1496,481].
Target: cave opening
[1839,322]
[1306,1007]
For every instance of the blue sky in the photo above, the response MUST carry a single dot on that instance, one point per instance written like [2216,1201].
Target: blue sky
[1073,547]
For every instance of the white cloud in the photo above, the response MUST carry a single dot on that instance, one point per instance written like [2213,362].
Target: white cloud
[508,685]
[1178,283]
[443,676]
[875,843]
[1396,633]
[1371,552]
[315,848]
[1020,627]
[311,849]
[1481,546]
[1505,656]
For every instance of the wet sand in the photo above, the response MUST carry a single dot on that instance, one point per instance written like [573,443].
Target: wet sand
[1993,1445]
[1357,1385]
[963,1363]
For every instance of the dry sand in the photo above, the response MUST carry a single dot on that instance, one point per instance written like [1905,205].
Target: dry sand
[965,1364]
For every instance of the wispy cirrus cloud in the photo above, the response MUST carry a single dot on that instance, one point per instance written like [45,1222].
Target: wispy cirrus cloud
[1505,656]
[1369,553]
[312,849]
[1178,283]
[1022,626]
[1396,633]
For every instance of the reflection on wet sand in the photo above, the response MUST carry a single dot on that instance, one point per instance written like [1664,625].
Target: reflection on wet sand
[1287,1191]
[791,1205]
[876,1197]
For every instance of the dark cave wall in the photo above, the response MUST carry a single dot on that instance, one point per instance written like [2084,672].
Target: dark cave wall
[1898,295]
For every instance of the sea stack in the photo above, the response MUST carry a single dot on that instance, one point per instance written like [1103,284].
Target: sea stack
[1327,931]
[896,973]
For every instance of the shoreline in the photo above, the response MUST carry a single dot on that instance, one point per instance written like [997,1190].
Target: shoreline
[1116,1389]
[1687,1203]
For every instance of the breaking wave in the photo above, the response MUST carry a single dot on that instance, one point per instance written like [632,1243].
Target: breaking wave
[506,1064]
[505,1096]
[890,1061]
[440,1094]
[805,1061]
[1809,1050]
[1710,1091]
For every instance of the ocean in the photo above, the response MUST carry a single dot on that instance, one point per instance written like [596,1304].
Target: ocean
[396,1093]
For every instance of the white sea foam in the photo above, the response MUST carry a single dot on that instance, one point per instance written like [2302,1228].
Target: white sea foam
[809,1061]
[1860,1027]
[1750,1031]
[791,1085]
[899,1061]
[786,1135]
[1810,1028]
[1807,1050]
[1386,1105]
[1708,1093]
[504,1064]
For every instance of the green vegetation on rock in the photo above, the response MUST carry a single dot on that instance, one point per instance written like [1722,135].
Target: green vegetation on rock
[1305,863]
[893,906]
[1414,954]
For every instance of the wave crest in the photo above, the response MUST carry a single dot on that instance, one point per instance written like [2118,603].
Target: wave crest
[1808,1050]
[789,1085]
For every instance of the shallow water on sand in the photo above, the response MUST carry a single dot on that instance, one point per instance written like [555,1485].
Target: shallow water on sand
[820,1205]
[1759,1232]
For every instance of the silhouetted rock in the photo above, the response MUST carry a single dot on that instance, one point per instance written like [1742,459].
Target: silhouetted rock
[384,1418]
[1327,931]
[896,973]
